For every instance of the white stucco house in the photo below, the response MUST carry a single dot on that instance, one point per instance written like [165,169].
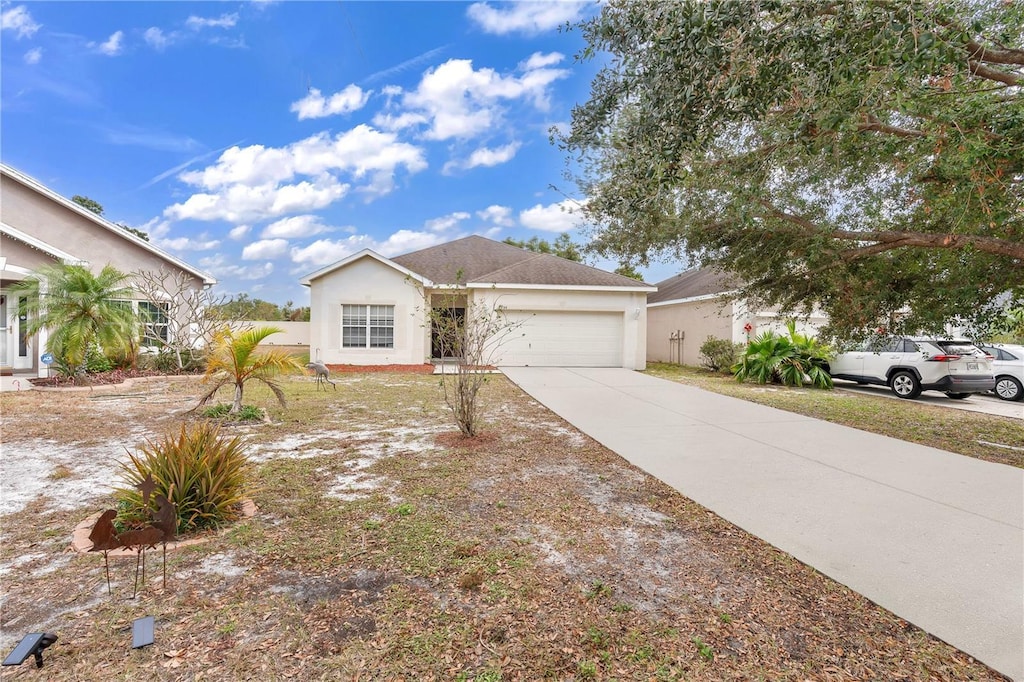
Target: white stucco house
[39,227]
[371,310]
[693,305]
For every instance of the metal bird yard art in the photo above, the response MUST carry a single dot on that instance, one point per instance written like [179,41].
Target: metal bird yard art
[161,529]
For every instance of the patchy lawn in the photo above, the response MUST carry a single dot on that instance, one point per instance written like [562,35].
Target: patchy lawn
[966,433]
[387,547]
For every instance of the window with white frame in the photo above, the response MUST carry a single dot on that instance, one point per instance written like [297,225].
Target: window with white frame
[155,320]
[367,326]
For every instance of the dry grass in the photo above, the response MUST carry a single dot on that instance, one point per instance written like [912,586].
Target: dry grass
[388,548]
[962,432]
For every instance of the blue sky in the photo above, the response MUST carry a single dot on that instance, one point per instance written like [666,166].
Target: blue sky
[262,141]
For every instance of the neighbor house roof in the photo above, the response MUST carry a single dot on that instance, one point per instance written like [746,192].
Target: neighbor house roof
[480,261]
[695,283]
[13,174]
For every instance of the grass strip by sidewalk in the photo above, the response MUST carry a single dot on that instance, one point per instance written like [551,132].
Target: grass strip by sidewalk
[982,436]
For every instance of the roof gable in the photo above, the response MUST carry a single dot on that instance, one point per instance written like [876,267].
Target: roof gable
[10,173]
[365,253]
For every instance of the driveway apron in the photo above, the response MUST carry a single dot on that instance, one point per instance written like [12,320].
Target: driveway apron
[936,538]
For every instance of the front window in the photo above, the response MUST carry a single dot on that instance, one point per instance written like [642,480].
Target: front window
[155,320]
[368,326]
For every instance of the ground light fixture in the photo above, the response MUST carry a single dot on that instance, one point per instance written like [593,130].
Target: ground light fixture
[31,644]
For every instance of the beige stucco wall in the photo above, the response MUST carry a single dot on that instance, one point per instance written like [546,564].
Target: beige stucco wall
[367,281]
[697,320]
[22,255]
[48,221]
[713,317]
[291,334]
[36,215]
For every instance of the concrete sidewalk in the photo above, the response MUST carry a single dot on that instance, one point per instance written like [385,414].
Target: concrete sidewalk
[934,537]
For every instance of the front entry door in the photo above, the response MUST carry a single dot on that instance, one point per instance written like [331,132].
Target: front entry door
[15,347]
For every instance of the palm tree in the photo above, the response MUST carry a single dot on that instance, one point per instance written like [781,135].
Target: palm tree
[81,310]
[234,360]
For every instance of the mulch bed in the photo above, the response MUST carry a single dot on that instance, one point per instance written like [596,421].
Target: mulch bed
[405,369]
[116,376]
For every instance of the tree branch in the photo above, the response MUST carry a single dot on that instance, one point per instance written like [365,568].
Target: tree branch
[888,240]
[988,73]
[990,55]
[874,124]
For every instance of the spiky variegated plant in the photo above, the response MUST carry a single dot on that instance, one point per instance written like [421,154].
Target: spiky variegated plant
[234,360]
[81,309]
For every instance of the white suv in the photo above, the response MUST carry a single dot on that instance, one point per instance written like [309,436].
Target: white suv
[1008,367]
[911,365]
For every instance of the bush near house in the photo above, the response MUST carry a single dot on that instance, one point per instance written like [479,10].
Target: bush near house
[718,355]
[792,360]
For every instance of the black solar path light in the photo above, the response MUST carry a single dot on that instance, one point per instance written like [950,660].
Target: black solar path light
[31,644]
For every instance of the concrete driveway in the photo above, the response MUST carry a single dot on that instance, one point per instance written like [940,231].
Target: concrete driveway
[934,537]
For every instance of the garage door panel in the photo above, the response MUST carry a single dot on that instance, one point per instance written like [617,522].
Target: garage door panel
[564,339]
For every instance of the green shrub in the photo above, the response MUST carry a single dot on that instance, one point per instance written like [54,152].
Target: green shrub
[218,411]
[718,355]
[203,474]
[791,360]
[248,413]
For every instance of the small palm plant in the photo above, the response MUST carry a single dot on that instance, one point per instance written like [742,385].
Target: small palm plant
[234,360]
[791,360]
[82,310]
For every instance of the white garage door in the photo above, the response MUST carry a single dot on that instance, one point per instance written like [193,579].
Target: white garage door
[563,339]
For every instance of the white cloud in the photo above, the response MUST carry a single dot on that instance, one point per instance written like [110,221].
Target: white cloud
[34,55]
[326,251]
[19,20]
[445,223]
[485,156]
[157,39]
[315,105]
[560,217]
[244,203]
[265,248]
[294,227]
[247,183]
[237,233]
[223,21]
[539,60]
[200,243]
[220,267]
[112,47]
[524,17]
[498,215]
[458,101]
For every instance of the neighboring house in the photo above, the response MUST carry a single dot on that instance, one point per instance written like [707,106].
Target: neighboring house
[39,227]
[693,305]
[371,310]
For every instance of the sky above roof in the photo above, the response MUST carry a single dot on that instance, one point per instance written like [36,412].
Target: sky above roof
[265,140]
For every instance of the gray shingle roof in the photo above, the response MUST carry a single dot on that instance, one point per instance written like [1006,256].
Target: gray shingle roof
[481,260]
[696,282]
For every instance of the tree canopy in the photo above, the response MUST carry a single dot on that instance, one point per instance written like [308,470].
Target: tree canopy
[864,156]
[563,246]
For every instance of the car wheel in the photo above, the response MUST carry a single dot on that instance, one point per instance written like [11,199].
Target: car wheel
[958,396]
[1008,388]
[905,385]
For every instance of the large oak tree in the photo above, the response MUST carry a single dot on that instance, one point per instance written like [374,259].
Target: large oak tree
[863,155]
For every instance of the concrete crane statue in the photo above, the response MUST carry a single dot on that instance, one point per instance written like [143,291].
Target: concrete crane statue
[322,374]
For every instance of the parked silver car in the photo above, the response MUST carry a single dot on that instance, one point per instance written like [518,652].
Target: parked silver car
[910,365]
[1008,366]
